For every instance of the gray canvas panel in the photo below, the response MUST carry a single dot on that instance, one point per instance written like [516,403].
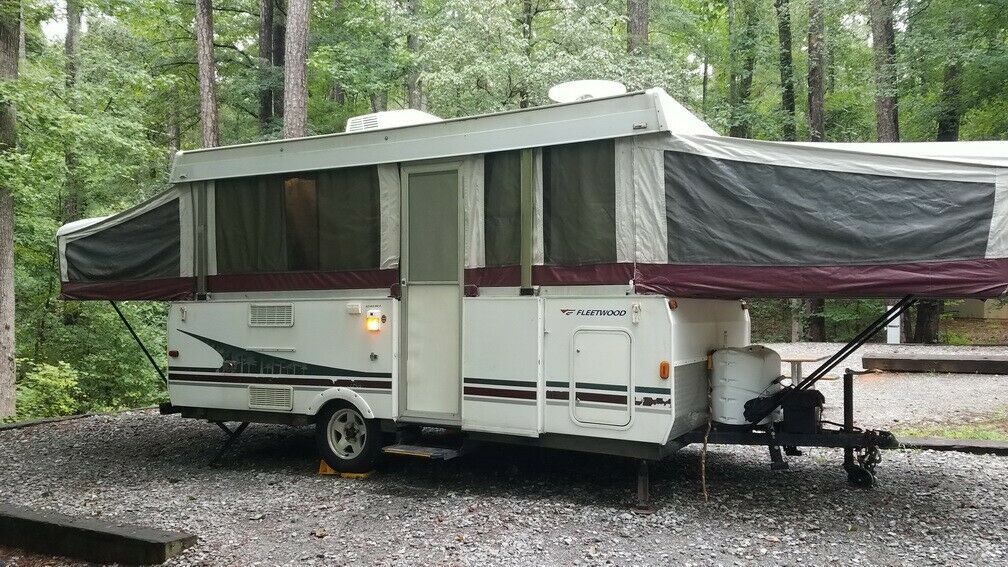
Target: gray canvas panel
[579,203]
[502,208]
[146,246]
[726,212]
[251,233]
[349,219]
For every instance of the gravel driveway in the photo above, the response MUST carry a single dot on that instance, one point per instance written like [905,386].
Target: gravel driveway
[893,400]
[263,505]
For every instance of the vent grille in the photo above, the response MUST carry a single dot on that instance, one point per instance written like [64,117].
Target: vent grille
[271,398]
[361,123]
[271,315]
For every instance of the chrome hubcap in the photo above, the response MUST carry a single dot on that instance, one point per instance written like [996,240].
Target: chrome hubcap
[347,433]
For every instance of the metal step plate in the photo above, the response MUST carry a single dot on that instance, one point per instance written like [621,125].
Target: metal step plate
[423,452]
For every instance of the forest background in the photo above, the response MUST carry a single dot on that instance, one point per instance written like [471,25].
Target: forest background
[97,95]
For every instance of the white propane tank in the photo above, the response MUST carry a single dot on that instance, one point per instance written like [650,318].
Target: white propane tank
[739,375]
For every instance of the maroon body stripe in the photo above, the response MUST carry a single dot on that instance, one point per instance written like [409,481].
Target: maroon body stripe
[607,398]
[557,395]
[281,380]
[500,393]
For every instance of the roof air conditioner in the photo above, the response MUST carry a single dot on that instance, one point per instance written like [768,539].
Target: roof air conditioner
[389,119]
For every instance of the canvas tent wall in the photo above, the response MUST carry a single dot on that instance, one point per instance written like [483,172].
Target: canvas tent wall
[749,218]
[143,253]
[626,189]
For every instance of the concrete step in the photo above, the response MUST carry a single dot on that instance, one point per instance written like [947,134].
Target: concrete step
[422,451]
[942,363]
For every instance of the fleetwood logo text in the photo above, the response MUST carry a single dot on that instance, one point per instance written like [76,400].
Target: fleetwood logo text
[595,312]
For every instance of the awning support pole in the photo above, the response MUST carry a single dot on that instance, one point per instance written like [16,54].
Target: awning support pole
[854,344]
[138,341]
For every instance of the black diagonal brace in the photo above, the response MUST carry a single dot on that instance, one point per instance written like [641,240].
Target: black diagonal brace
[139,342]
[854,344]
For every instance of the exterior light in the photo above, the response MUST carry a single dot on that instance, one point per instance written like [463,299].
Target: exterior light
[373,321]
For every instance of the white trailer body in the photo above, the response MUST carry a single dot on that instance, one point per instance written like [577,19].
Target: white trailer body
[585,365]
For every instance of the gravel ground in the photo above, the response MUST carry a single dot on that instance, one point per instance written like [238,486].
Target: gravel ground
[264,506]
[896,400]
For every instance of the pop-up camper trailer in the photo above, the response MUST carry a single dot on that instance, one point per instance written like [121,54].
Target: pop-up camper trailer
[567,276]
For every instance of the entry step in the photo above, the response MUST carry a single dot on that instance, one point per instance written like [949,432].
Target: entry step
[422,451]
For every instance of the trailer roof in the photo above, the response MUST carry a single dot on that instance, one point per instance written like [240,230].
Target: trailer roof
[635,113]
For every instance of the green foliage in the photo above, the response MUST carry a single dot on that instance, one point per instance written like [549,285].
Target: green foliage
[48,389]
[990,428]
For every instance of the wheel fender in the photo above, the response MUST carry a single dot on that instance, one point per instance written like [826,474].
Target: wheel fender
[340,393]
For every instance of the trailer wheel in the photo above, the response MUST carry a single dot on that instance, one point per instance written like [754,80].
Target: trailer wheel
[346,440]
[860,477]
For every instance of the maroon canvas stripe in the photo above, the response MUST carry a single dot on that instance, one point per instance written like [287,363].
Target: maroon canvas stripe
[500,393]
[164,289]
[285,281]
[591,274]
[981,278]
[280,380]
[607,398]
[498,276]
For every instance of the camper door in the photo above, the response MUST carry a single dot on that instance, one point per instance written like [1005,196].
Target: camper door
[431,268]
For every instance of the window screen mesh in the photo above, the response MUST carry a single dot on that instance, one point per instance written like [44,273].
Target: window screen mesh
[579,203]
[502,208]
[320,221]
[251,234]
[349,219]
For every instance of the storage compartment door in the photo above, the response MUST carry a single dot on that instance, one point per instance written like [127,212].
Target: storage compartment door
[602,372]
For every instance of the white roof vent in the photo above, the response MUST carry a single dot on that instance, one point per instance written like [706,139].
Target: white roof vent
[574,91]
[389,119]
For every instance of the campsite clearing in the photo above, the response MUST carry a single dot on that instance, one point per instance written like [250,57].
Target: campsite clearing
[264,504]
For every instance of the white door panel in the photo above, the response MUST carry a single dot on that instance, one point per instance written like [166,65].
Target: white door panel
[432,292]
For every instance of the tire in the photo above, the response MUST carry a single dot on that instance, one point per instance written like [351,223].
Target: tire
[860,477]
[347,441]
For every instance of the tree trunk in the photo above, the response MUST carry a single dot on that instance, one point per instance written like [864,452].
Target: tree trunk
[816,72]
[379,102]
[638,18]
[816,321]
[207,72]
[928,314]
[72,200]
[703,91]
[783,9]
[528,13]
[336,92]
[884,45]
[414,94]
[817,128]
[744,45]
[296,57]
[279,57]
[265,64]
[10,40]
[950,109]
